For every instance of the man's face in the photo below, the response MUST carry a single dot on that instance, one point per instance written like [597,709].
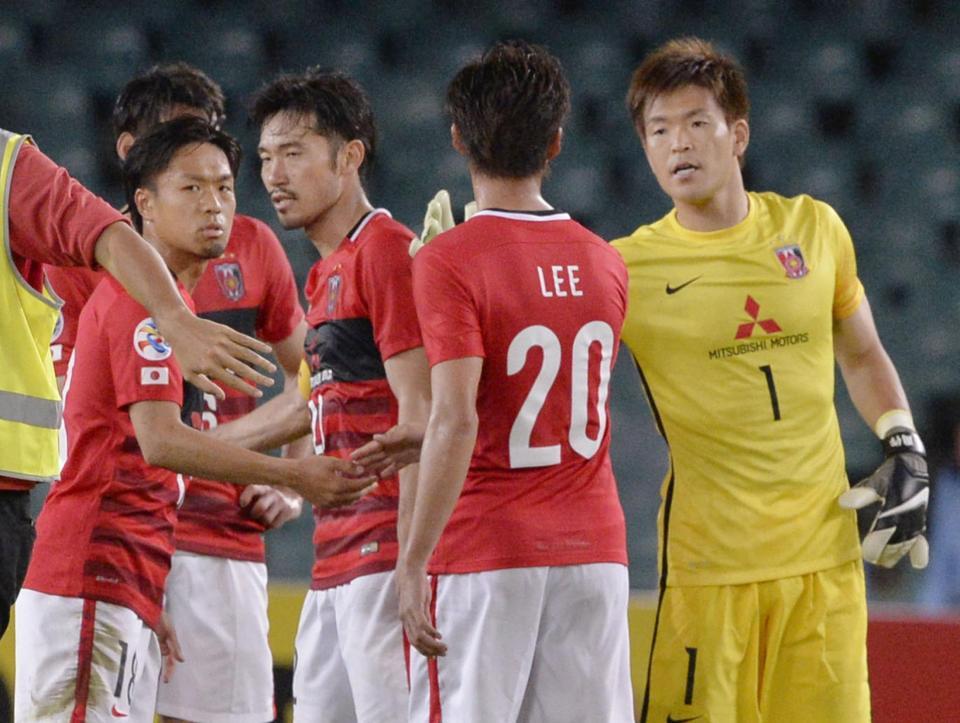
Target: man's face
[691,148]
[300,169]
[189,207]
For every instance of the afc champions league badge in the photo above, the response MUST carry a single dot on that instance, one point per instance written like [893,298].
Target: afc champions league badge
[230,279]
[148,343]
[791,258]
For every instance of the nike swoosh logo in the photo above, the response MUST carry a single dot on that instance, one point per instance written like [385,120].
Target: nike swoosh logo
[682,720]
[117,714]
[673,290]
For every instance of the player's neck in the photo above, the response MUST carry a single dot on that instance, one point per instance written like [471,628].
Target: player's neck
[725,209]
[187,267]
[510,194]
[328,230]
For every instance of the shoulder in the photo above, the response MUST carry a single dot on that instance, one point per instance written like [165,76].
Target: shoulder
[252,232]
[383,230]
[648,232]
[801,207]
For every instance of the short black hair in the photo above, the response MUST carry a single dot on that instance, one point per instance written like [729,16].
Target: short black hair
[154,150]
[337,102]
[150,95]
[507,106]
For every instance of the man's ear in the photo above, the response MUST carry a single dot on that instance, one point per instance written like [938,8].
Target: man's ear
[125,142]
[143,200]
[352,154]
[456,140]
[556,143]
[741,137]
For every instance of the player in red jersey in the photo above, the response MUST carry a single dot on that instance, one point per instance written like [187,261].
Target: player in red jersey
[367,372]
[220,549]
[105,536]
[517,547]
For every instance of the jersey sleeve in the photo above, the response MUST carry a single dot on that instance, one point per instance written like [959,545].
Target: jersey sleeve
[448,314]
[387,290]
[280,311]
[848,291]
[53,218]
[141,362]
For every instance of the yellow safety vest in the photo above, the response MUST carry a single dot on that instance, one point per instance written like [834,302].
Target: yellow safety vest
[30,406]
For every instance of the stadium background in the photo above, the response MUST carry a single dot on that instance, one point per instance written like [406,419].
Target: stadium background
[857,103]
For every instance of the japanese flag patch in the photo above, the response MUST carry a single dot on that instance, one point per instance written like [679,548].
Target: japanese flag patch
[154,375]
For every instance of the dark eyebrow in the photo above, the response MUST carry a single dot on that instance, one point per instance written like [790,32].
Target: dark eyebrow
[283,146]
[688,114]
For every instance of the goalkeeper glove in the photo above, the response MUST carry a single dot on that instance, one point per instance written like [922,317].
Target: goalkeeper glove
[438,218]
[902,486]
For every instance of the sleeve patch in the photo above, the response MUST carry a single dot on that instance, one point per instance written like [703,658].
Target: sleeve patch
[154,375]
[148,343]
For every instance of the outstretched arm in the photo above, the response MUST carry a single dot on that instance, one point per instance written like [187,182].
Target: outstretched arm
[205,350]
[166,442]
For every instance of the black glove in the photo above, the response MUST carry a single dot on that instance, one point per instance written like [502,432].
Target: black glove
[902,486]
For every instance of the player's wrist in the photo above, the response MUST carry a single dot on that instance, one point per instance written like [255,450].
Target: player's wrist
[891,419]
[898,434]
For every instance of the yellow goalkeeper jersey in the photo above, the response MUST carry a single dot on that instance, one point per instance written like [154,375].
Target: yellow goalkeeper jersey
[733,334]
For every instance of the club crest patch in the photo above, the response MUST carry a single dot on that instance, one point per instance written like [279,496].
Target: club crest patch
[148,343]
[333,293]
[791,258]
[230,279]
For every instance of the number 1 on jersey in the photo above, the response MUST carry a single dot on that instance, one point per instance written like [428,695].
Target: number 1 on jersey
[772,388]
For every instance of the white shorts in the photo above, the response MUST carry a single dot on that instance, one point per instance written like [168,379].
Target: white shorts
[219,609]
[349,663]
[81,659]
[538,644]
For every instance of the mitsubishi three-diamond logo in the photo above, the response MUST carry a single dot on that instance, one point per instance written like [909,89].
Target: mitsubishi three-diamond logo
[745,331]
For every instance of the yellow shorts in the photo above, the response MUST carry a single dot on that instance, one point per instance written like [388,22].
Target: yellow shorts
[793,649]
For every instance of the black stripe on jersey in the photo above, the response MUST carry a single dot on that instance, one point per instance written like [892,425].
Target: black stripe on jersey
[663,591]
[243,320]
[192,404]
[539,212]
[649,396]
[667,505]
[344,350]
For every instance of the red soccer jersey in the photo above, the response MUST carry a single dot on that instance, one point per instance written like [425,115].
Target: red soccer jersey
[361,314]
[53,219]
[106,529]
[250,288]
[542,301]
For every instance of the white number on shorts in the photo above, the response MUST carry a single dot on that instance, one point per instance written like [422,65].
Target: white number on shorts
[316,424]
[522,453]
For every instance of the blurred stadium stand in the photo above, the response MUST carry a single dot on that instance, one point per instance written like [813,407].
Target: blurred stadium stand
[855,102]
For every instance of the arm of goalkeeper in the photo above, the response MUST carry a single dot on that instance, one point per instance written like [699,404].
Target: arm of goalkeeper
[902,487]
[438,218]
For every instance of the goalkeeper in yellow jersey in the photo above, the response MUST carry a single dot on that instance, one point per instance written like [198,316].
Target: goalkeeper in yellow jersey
[739,305]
